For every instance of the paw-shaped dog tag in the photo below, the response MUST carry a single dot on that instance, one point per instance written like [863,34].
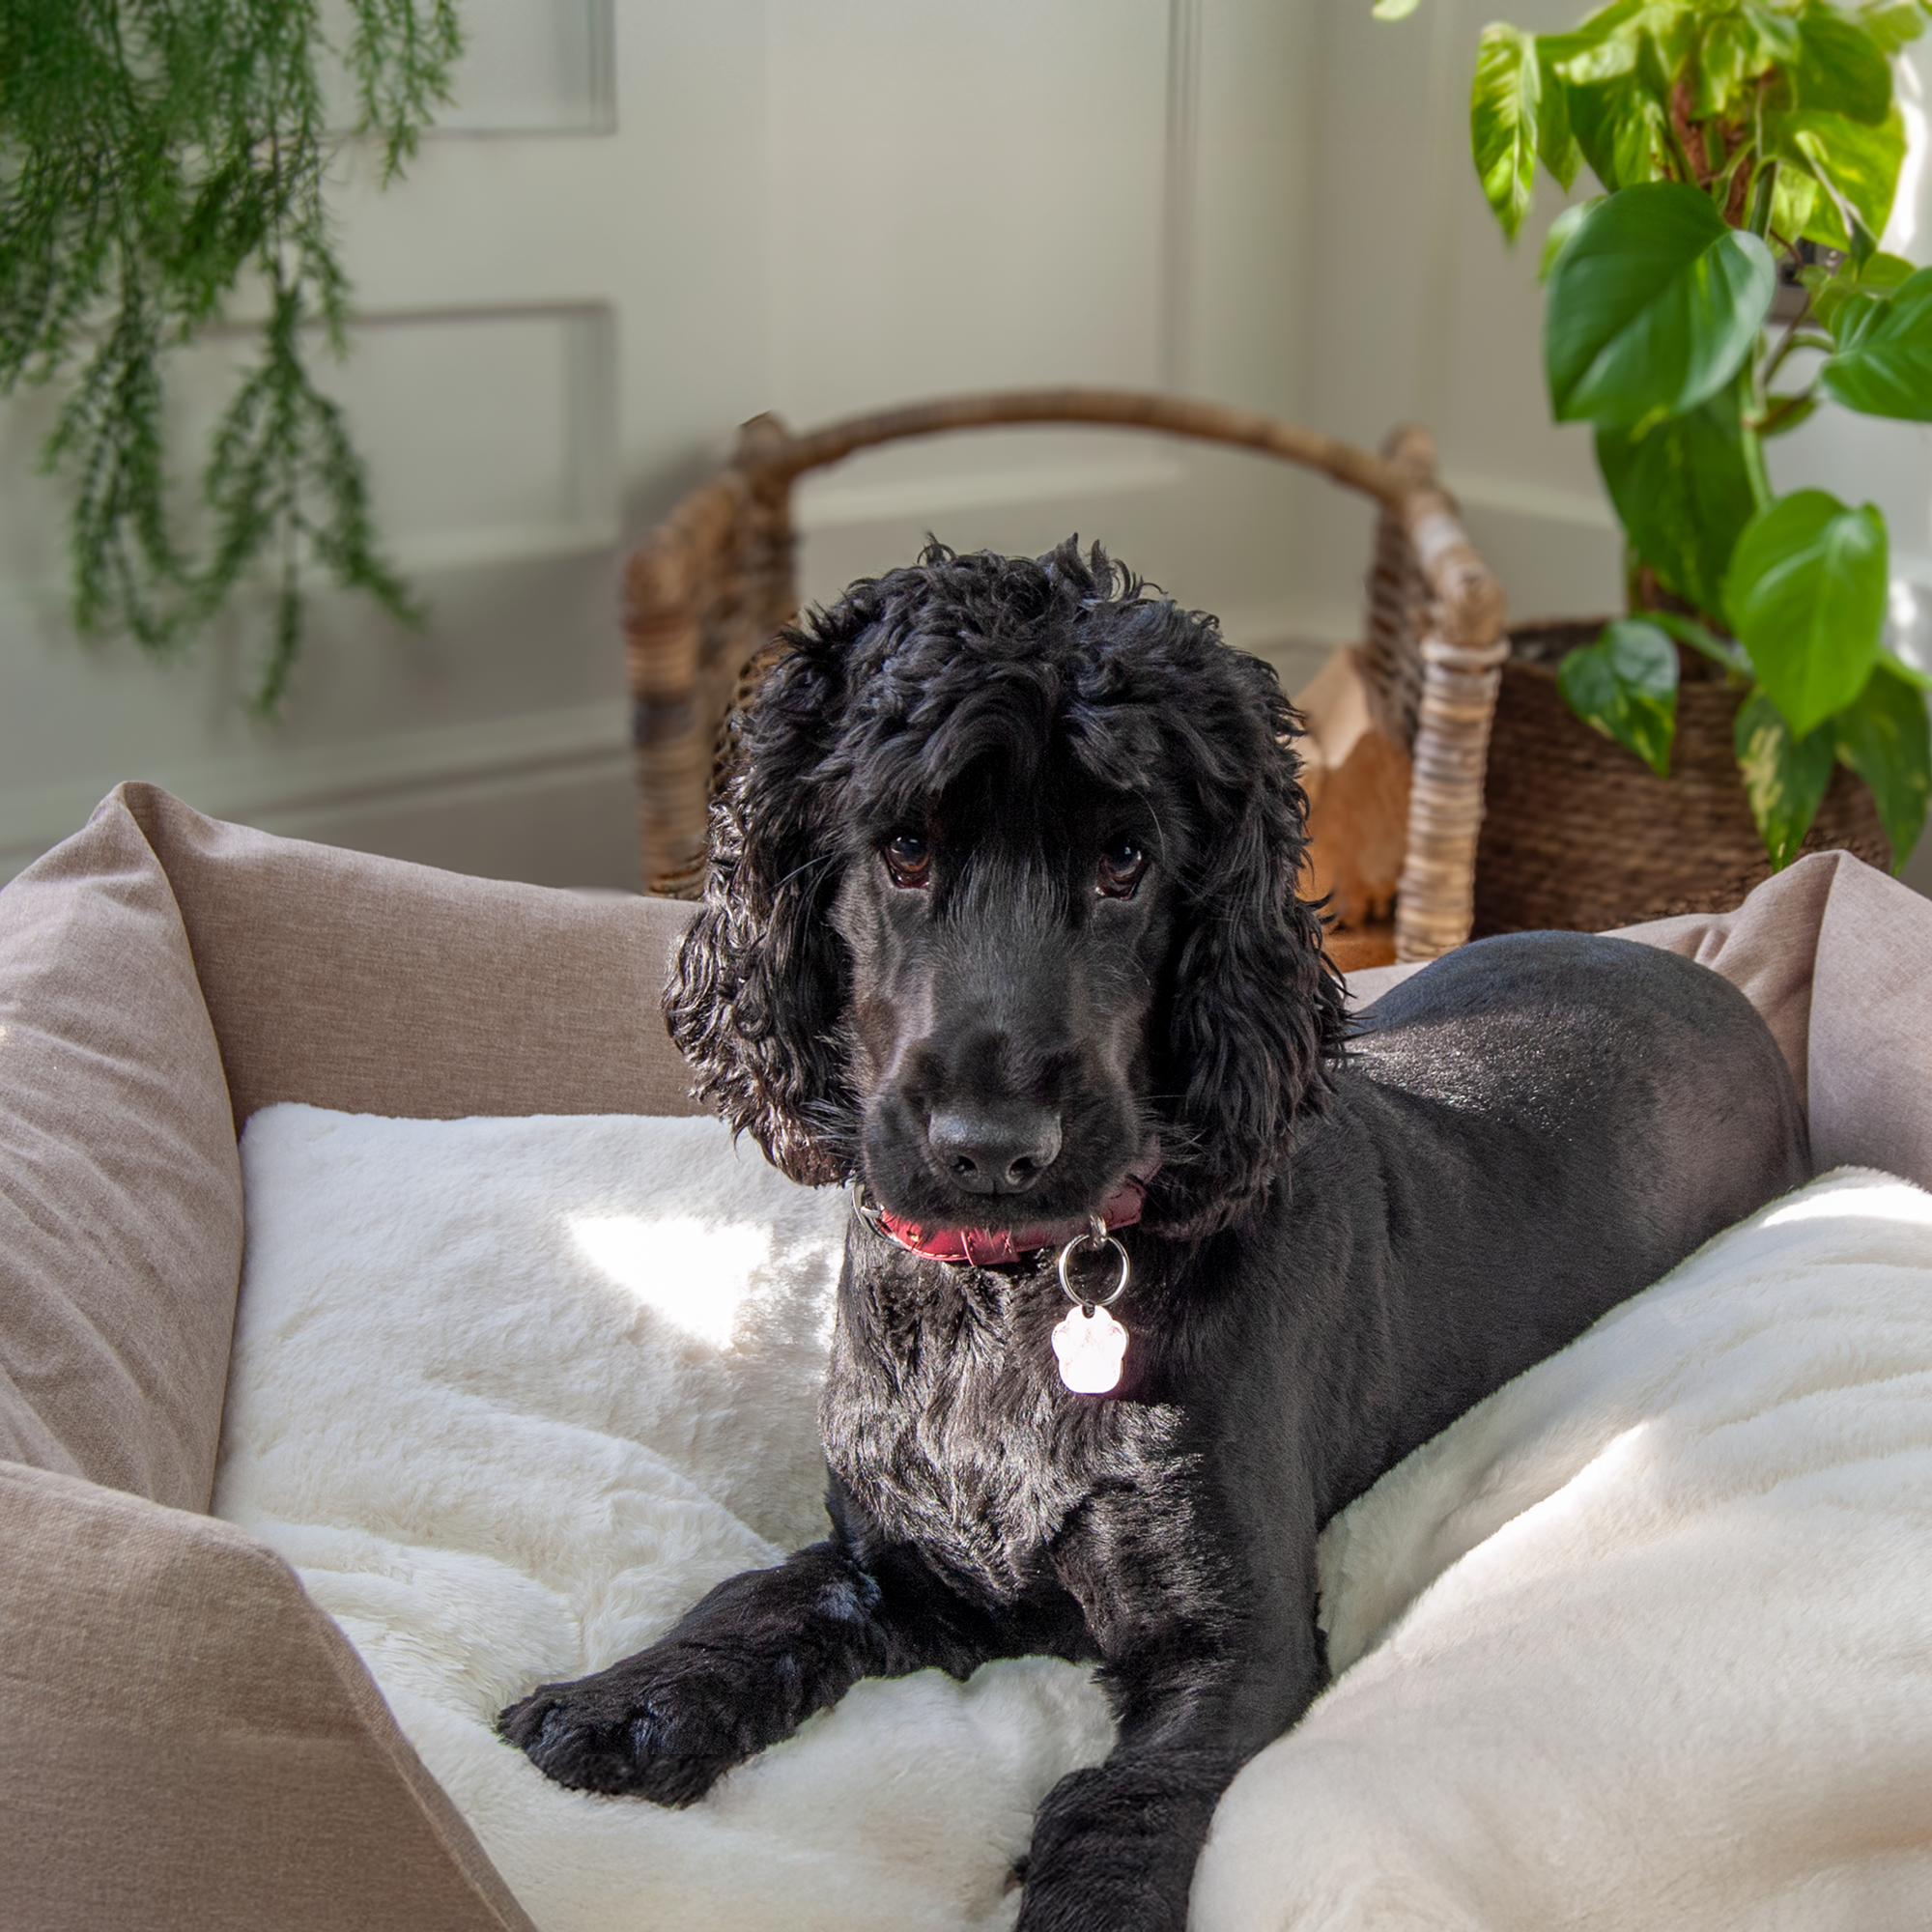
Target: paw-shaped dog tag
[1091,1345]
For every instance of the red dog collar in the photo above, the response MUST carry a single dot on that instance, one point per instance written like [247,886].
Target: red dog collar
[990,1247]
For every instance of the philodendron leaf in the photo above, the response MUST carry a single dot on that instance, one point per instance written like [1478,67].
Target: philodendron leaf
[1831,288]
[1784,777]
[1892,23]
[1777,32]
[1683,493]
[1504,107]
[1840,67]
[1730,57]
[1556,138]
[1617,123]
[1918,679]
[1806,595]
[1885,737]
[1626,685]
[1858,165]
[1724,651]
[1561,230]
[1653,307]
[1604,45]
[1884,362]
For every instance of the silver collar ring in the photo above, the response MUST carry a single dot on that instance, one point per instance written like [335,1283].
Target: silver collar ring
[864,1205]
[1096,1235]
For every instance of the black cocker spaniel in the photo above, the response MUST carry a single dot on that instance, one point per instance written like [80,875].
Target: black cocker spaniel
[1156,1262]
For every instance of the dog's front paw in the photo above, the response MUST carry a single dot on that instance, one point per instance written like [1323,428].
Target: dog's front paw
[1114,1848]
[659,1725]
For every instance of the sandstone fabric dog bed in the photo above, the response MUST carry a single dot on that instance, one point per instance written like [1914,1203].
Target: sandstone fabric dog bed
[1643,1639]
[196,1747]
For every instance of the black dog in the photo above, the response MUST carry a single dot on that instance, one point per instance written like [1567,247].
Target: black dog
[1002,922]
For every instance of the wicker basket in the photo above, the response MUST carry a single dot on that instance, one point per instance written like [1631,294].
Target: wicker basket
[1576,833]
[706,589]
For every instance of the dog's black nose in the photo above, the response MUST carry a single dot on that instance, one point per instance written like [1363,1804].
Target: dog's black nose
[994,1150]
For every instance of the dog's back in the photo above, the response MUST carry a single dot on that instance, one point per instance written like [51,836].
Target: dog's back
[1561,1119]
[1661,1062]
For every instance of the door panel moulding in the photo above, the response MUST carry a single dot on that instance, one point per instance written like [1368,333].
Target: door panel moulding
[526,466]
[1180,189]
[528,69]
[283,789]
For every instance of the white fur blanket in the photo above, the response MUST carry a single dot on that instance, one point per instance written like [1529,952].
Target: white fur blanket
[1646,1639]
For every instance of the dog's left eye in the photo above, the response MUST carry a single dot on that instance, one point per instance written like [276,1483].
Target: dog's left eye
[908,859]
[1120,870]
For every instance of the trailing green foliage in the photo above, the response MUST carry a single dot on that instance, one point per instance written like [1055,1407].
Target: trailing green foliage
[1730,136]
[153,157]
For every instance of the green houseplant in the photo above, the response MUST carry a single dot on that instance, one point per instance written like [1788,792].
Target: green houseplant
[1732,139]
[155,158]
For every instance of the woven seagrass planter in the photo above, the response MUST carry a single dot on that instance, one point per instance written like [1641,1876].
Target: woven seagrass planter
[1578,834]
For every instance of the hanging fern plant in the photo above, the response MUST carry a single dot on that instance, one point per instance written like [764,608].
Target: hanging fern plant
[155,156]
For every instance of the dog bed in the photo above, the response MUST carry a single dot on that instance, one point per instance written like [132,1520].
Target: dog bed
[1644,1639]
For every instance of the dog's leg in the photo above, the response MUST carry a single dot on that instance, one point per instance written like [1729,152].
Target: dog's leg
[746,1665]
[1208,1657]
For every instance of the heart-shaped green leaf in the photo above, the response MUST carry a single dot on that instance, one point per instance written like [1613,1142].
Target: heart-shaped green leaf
[1653,307]
[1919,680]
[1885,737]
[1777,32]
[1784,777]
[1840,67]
[1556,139]
[1831,288]
[1503,117]
[1604,45]
[1726,652]
[1626,685]
[1806,594]
[1893,23]
[1859,165]
[1683,493]
[1612,117]
[1557,237]
[1730,58]
[1884,362]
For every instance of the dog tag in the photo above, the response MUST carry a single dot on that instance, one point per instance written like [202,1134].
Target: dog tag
[1091,1345]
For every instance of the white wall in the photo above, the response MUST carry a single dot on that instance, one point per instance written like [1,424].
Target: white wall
[652,219]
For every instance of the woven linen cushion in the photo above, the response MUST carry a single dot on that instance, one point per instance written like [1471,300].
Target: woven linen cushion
[512,1394]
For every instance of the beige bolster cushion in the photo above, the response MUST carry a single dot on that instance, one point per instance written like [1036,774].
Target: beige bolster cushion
[1838,959]
[379,987]
[203,1748]
[119,1186]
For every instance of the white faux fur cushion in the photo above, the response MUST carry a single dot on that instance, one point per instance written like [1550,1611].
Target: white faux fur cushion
[511,1395]
[1648,1634]
[1662,1640]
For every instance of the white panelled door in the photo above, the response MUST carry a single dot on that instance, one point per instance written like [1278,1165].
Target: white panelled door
[643,221]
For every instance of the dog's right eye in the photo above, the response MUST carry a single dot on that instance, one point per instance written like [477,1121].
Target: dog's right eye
[908,859]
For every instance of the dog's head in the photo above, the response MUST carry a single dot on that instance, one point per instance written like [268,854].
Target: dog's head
[1004,886]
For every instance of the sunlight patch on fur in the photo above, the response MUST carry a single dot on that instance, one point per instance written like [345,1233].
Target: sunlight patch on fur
[695,1276]
[1877,1199]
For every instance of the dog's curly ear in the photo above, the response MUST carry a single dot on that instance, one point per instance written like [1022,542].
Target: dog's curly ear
[1255,1015]
[757,1003]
